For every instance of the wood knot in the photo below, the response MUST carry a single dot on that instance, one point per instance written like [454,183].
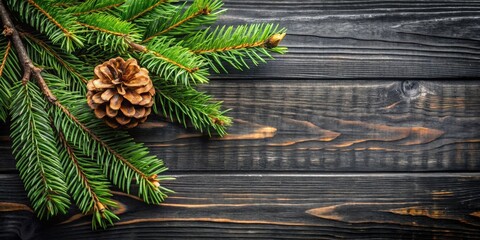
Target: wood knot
[410,89]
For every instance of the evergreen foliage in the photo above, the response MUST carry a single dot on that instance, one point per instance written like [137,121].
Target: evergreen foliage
[64,153]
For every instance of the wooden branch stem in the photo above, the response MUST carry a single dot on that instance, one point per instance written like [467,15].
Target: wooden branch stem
[28,68]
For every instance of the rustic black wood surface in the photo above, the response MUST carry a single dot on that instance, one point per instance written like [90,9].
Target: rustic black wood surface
[368,128]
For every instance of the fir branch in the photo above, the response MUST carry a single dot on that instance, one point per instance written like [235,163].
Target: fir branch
[86,184]
[32,136]
[186,105]
[172,61]
[109,32]
[10,73]
[63,64]
[159,13]
[35,151]
[234,45]
[134,9]
[5,84]
[183,22]
[58,25]
[121,159]
[91,6]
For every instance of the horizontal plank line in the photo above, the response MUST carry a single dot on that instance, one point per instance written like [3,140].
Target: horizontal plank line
[178,174]
[379,40]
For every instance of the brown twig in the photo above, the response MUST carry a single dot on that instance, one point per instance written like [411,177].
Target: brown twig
[4,60]
[28,68]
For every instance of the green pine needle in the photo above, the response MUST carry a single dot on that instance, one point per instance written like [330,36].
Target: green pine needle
[235,45]
[35,150]
[92,6]
[109,32]
[52,59]
[186,105]
[9,72]
[86,184]
[121,159]
[185,20]
[174,62]
[133,9]
[50,20]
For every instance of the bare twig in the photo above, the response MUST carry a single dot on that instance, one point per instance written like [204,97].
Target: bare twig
[28,68]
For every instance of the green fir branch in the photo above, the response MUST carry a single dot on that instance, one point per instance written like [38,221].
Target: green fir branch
[121,159]
[87,185]
[109,32]
[94,6]
[185,105]
[173,62]
[134,9]
[52,59]
[34,148]
[9,72]
[160,12]
[235,45]
[185,20]
[58,25]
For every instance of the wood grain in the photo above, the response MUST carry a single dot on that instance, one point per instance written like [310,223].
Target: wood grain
[360,39]
[390,151]
[293,206]
[328,126]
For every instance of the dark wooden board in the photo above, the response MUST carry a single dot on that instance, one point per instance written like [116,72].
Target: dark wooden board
[328,126]
[391,151]
[290,206]
[355,39]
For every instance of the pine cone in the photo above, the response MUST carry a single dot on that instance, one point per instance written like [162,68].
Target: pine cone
[121,93]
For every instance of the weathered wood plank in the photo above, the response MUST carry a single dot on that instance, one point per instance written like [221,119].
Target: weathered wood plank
[290,206]
[367,39]
[328,126]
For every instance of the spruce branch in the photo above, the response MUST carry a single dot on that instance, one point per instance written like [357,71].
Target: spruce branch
[86,184]
[50,20]
[185,105]
[35,150]
[121,159]
[93,6]
[8,47]
[233,45]
[121,170]
[4,84]
[109,32]
[63,64]
[27,65]
[172,61]
[135,9]
[182,22]
[10,72]
[161,56]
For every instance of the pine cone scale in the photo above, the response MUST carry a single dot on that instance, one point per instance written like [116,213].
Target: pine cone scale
[116,102]
[121,93]
[111,112]
[133,97]
[128,110]
[107,95]
[139,112]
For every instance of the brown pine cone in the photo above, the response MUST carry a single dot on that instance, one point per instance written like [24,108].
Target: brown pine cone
[121,93]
